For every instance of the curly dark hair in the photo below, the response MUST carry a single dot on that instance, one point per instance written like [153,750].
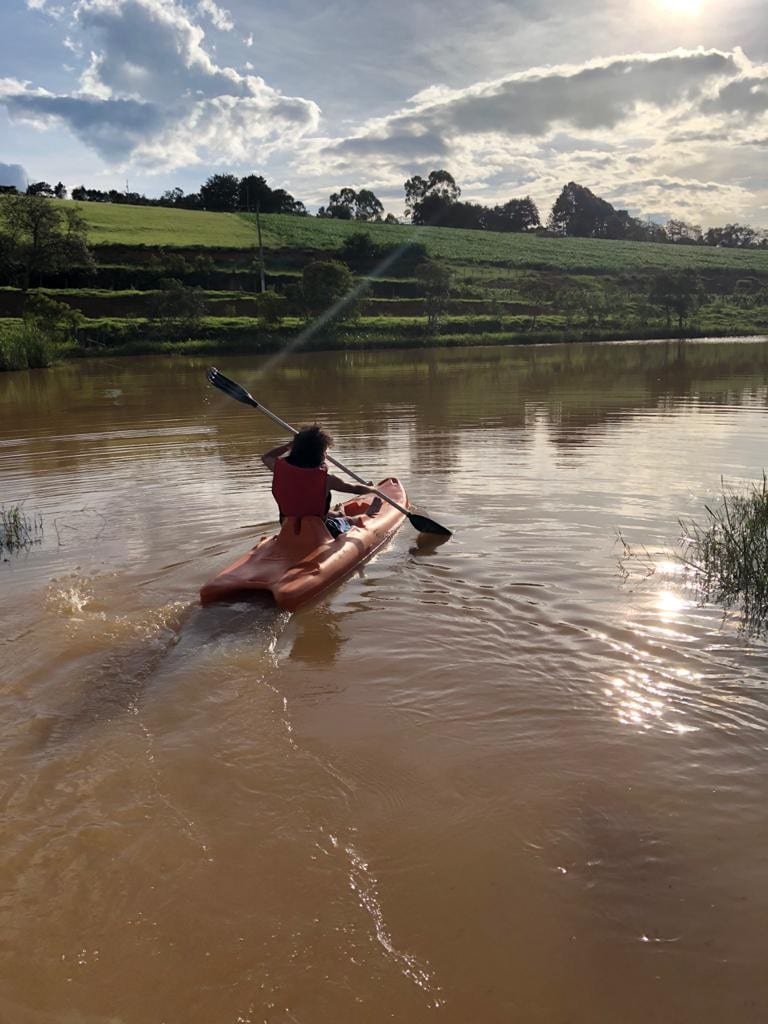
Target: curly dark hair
[309,447]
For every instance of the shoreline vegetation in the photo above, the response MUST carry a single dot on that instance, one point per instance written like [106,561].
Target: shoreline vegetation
[124,280]
[19,530]
[728,553]
[42,353]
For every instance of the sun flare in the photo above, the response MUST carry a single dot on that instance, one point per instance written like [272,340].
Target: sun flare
[681,8]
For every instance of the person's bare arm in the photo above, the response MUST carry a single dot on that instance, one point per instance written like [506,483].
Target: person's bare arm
[270,458]
[337,484]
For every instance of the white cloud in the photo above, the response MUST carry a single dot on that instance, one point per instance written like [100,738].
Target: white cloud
[639,129]
[152,94]
[220,18]
[596,96]
[681,130]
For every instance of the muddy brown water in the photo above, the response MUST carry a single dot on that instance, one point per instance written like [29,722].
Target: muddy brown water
[494,780]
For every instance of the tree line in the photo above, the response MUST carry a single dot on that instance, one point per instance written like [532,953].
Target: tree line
[435,200]
[222,193]
[577,213]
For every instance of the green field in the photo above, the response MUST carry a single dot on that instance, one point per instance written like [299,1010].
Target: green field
[160,226]
[504,287]
[484,250]
[494,250]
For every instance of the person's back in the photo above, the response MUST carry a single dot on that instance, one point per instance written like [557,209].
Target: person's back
[301,483]
[300,490]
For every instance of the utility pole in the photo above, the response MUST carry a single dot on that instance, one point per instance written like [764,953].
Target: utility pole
[261,249]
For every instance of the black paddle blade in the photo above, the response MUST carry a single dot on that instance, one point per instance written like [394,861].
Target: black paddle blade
[425,525]
[230,388]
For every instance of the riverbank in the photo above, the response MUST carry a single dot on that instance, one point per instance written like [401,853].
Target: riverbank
[345,341]
[43,353]
[174,280]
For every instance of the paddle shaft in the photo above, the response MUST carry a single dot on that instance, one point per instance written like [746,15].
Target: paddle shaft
[339,465]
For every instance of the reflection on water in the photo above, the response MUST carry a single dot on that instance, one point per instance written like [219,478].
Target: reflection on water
[490,779]
[318,637]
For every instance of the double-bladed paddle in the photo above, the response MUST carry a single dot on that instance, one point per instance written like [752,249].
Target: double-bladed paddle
[236,391]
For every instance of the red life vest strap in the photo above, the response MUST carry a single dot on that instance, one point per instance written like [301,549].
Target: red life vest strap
[299,491]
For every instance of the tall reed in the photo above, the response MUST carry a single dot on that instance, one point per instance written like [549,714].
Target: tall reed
[26,347]
[18,530]
[729,553]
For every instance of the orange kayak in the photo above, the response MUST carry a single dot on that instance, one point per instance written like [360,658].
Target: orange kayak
[303,560]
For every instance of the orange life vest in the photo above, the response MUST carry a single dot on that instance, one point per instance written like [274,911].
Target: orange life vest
[299,491]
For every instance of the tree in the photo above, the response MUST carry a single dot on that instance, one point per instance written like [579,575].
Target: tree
[427,199]
[347,204]
[254,193]
[327,285]
[59,190]
[172,197]
[39,237]
[367,206]
[359,250]
[299,209]
[220,192]
[178,309]
[190,201]
[514,215]
[733,236]
[340,205]
[40,188]
[579,213]
[283,202]
[676,292]
[55,320]
[540,290]
[680,233]
[435,280]
[271,307]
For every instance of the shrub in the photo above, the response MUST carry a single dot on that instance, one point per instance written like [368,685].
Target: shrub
[56,320]
[271,306]
[178,309]
[435,280]
[26,347]
[326,285]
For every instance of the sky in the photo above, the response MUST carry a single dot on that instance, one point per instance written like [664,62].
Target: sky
[658,106]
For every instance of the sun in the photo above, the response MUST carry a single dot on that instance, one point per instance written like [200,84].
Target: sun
[681,8]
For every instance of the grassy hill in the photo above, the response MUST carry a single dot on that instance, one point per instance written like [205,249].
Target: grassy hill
[504,287]
[157,226]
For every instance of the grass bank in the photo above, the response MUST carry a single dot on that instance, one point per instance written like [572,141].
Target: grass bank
[504,288]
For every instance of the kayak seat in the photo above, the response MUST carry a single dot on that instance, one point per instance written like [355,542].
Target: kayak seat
[300,535]
[355,508]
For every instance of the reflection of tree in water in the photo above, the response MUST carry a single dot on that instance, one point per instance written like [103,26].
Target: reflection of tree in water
[405,411]
[606,384]
[318,636]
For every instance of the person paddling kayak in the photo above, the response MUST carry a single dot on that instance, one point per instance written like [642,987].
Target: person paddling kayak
[301,483]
